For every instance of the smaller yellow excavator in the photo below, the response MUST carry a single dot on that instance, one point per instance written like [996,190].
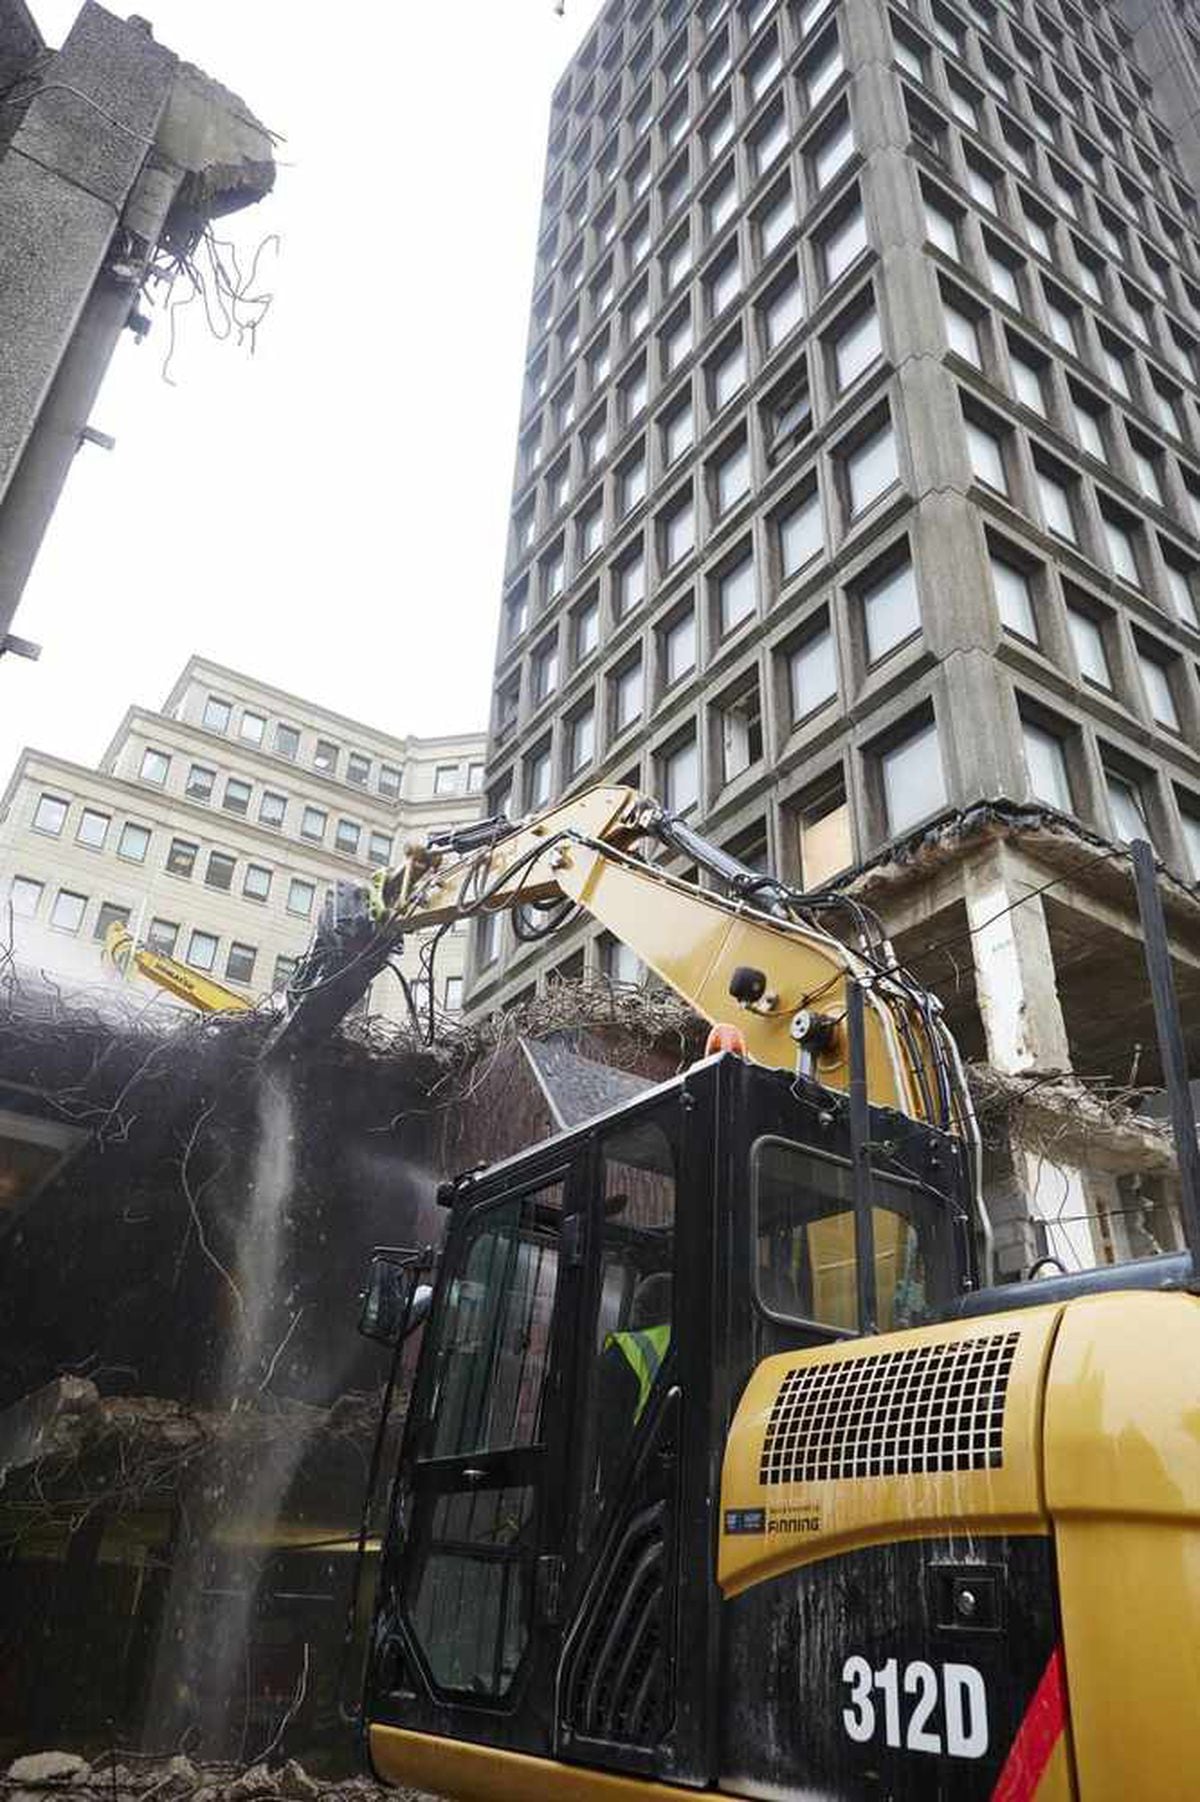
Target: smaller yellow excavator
[200,991]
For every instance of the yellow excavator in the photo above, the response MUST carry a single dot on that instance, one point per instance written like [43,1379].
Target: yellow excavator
[193,986]
[726,1467]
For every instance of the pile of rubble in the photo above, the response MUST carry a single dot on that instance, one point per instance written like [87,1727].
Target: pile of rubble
[66,1777]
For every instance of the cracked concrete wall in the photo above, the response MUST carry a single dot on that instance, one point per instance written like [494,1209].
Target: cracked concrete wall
[102,137]
[64,178]
[20,45]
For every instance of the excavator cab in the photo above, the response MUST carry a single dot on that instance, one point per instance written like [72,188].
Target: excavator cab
[549,1578]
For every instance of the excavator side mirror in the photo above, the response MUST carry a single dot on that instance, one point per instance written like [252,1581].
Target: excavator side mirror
[395,1300]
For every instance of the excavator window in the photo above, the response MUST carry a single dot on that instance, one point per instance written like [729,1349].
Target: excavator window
[471,1600]
[805,1268]
[636,1295]
[493,1344]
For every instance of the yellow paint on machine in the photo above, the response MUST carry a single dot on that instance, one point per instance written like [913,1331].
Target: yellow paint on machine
[693,939]
[1100,1448]
[805,1522]
[1122,1450]
[471,1773]
[696,947]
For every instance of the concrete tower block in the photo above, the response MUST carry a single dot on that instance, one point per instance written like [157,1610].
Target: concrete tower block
[1163,52]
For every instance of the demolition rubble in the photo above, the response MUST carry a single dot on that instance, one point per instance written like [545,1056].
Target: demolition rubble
[40,1776]
[187,1414]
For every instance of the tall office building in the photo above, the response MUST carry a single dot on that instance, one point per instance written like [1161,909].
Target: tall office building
[858,481]
[214,828]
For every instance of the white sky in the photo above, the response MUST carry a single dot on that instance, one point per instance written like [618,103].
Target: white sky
[329,515]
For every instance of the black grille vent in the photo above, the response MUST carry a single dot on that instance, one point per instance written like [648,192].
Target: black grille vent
[891,1414]
[619,1687]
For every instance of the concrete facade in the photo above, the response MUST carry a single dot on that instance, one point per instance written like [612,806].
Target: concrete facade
[858,481]
[109,149]
[216,825]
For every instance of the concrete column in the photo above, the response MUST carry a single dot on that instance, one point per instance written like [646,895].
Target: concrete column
[978,727]
[1026,1035]
[1014,968]
[1059,1199]
[1006,1199]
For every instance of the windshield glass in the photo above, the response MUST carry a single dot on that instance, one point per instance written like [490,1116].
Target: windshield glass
[804,1261]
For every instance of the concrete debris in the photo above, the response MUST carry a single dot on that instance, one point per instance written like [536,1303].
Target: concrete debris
[224,154]
[178,1781]
[41,1775]
[69,1416]
[1065,1120]
[68,1420]
[296,1784]
[46,1768]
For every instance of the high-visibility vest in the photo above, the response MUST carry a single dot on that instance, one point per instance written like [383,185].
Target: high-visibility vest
[643,1349]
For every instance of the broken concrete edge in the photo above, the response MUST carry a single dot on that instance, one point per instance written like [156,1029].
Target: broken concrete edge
[211,154]
[223,155]
[941,841]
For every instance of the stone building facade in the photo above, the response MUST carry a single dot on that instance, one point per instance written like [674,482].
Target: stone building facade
[858,479]
[215,826]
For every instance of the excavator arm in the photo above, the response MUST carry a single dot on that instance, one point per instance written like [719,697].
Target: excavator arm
[754,953]
[200,991]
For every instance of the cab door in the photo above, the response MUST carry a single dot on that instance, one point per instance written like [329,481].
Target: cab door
[638,1591]
[480,1509]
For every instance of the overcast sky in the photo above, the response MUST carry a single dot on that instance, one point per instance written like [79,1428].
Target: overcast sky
[328,514]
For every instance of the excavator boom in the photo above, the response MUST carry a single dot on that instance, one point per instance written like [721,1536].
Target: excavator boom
[754,952]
